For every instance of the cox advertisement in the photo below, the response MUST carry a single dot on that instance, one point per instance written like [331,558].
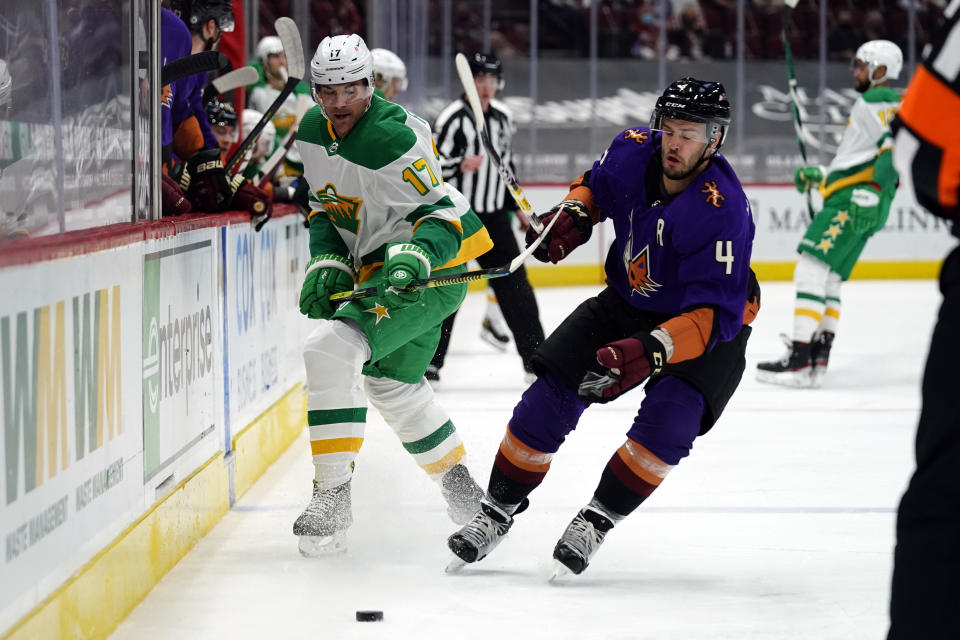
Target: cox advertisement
[69,401]
[263,276]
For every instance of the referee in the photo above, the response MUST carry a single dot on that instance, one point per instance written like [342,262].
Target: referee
[466,166]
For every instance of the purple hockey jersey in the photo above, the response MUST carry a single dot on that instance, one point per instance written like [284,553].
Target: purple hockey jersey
[692,252]
[182,98]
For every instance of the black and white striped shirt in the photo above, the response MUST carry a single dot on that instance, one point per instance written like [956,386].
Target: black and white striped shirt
[456,136]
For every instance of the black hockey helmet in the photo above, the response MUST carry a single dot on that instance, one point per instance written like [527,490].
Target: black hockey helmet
[195,13]
[694,101]
[220,113]
[487,64]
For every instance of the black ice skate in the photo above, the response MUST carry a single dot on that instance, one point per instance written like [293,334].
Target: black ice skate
[494,334]
[480,536]
[462,494]
[432,373]
[793,370]
[322,527]
[580,541]
[820,356]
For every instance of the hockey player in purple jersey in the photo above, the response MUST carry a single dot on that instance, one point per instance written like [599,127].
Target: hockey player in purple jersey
[680,294]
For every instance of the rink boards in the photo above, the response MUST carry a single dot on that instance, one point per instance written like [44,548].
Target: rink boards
[149,374]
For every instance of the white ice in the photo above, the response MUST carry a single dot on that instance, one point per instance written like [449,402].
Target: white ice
[780,524]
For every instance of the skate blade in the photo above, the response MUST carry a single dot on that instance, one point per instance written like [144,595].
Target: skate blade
[795,379]
[455,564]
[320,546]
[560,571]
[491,339]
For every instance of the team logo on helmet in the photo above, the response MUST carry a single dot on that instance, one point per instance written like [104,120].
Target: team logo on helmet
[638,273]
[714,196]
[341,210]
[637,135]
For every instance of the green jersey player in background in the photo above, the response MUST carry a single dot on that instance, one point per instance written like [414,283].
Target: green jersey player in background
[379,215]
[857,190]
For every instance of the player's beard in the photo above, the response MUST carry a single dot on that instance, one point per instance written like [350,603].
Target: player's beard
[682,174]
[861,87]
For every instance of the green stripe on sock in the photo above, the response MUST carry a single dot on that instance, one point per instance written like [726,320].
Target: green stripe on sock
[335,416]
[809,296]
[832,299]
[432,440]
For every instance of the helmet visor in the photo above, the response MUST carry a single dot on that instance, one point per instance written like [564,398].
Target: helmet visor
[333,96]
[679,129]
[226,22]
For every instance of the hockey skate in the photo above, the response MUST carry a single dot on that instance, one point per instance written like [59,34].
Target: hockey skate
[494,334]
[820,356]
[462,494]
[580,541]
[432,373]
[480,536]
[793,370]
[322,527]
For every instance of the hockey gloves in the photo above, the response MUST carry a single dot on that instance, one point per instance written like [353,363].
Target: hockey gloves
[865,209]
[248,197]
[404,263]
[206,183]
[326,274]
[627,363]
[809,177]
[571,230]
[173,202]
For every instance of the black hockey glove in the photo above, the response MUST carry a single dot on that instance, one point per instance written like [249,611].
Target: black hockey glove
[206,182]
[571,230]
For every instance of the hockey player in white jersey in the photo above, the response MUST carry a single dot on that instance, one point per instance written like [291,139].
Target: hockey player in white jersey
[857,190]
[379,215]
[389,74]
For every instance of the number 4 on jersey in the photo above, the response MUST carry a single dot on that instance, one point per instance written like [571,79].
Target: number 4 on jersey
[725,254]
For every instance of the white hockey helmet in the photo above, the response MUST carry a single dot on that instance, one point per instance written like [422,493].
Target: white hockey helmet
[267,136]
[341,59]
[6,83]
[881,53]
[388,65]
[267,46]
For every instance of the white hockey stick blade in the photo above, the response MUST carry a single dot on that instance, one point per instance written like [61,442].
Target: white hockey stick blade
[520,259]
[791,3]
[235,79]
[292,48]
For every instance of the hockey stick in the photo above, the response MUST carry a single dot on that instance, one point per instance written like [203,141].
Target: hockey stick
[265,174]
[229,81]
[506,174]
[293,50]
[455,278]
[788,6]
[190,65]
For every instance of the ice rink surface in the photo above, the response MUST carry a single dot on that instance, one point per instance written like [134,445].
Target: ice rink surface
[780,524]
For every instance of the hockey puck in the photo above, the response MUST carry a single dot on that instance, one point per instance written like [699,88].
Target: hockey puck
[369,616]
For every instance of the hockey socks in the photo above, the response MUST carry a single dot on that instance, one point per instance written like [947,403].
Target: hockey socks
[517,470]
[631,475]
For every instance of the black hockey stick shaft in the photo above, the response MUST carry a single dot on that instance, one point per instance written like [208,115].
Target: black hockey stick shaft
[293,51]
[506,173]
[456,278]
[792,87]
[190,65]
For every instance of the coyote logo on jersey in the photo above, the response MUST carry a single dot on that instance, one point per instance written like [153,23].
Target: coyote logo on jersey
[714,196]
[342,210]
[638,273]
[636,135]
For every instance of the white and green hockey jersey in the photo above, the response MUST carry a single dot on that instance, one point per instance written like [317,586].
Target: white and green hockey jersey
[864,152]
[261,95]
[382,184]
